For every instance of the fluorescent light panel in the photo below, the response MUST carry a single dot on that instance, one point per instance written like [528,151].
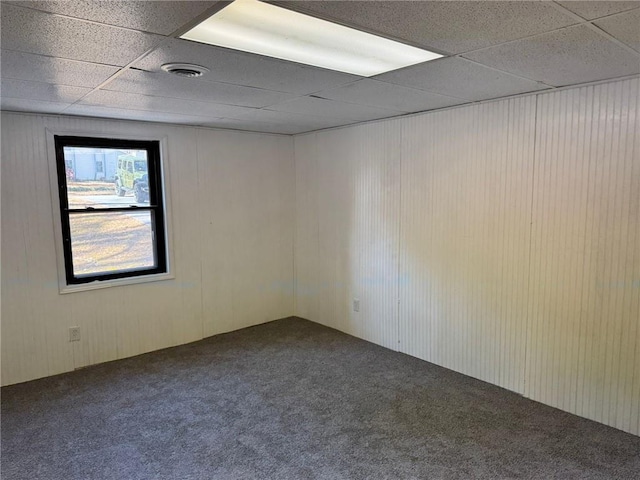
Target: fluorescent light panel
[265,29]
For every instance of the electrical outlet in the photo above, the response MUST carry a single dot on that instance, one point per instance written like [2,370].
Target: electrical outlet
[356,304]
[74,334]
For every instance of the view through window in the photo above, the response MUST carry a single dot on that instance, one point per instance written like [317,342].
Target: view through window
[111,208]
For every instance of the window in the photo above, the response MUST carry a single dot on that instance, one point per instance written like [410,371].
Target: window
[112,217]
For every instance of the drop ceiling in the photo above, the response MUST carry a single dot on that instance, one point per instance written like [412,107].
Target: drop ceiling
[103,58]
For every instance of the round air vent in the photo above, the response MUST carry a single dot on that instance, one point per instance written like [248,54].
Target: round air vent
[184,69]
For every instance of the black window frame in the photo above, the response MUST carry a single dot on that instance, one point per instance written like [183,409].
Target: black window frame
[155,207]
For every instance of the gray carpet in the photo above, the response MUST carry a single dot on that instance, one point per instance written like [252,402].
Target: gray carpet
[293,400]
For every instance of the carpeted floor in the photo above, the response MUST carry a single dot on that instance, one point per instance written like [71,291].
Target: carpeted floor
[293,400]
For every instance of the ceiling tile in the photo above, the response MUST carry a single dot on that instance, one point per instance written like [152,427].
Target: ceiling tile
[162,17]
[25,66]
[292,121]
[457,77]
[35,106]
[569,56]
[166,85]
[273,127]
[625,27]
[446,26]
[330,108]
[251,92]
[132,114]
[386,95]
[242,68]
[41,91]
[264,125]
[32,31]
[591,9]
[298,129]
[109,98]
[295,129]
[249,125]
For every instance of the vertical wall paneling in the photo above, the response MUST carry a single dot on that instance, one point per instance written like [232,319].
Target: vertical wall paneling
[28,293]
[347,229]
[466,192]
[501,240]
[584,302]
[518,252]
[219,185]
[307,236]
[246,220]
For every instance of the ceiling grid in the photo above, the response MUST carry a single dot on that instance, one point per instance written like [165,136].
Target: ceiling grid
[102,58]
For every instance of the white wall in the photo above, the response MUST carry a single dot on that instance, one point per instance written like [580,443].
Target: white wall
[231,197]
[348,198]
[501,240]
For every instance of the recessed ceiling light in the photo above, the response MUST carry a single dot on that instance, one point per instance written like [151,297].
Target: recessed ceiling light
[184,69]
[265,29]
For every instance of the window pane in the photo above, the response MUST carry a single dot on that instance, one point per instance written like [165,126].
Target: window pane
[109,242]
[106,177]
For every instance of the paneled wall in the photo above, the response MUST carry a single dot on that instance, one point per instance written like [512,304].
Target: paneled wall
[465,223]
[506,234]
[230,196]
[584,300]
[348,198]
[501,240]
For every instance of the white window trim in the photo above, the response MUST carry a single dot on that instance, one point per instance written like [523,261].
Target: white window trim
[63,287]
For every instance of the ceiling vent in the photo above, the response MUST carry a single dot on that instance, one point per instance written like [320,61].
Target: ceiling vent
[185,69]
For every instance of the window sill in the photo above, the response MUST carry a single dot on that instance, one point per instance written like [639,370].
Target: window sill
[98,284]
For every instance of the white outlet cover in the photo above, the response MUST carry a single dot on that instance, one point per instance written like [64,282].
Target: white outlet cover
[74,334]
[356,304]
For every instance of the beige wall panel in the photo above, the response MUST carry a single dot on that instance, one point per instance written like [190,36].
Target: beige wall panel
[348,205]
[219,184]
[584,354]
[246,185]
[518,251]
[466,196]
[307,296]
[32,318]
